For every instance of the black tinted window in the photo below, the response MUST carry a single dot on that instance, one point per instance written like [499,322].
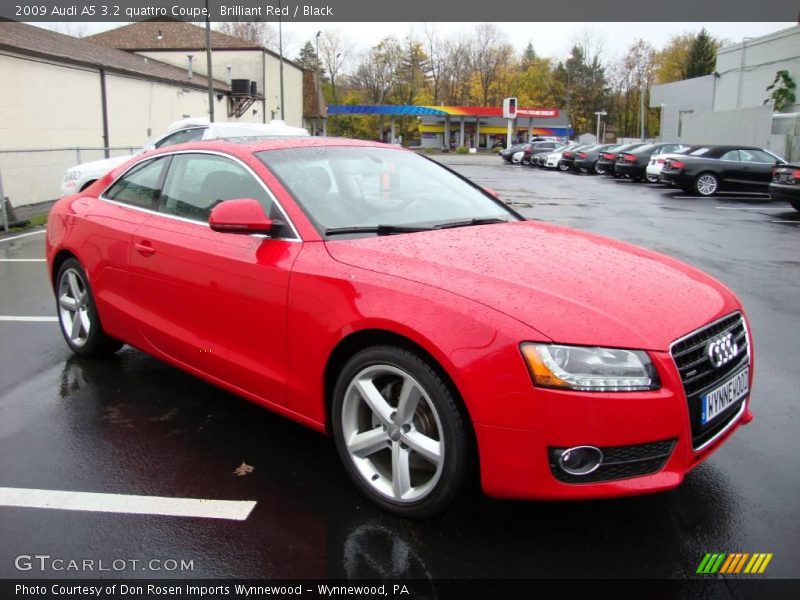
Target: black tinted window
[181,137]
[138,186]
[197,182]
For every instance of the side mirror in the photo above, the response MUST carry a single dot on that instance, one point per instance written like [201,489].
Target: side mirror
[242,215]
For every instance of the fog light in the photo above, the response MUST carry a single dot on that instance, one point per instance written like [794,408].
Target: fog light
[580,460]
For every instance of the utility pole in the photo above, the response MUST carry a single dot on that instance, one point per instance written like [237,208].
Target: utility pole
[280,51]
[641,111]
[208,66]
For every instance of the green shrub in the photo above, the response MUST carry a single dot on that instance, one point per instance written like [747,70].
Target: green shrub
[497,149]
[462,150]
[430,151]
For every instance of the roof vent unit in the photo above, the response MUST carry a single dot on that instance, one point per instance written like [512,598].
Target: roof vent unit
[240,87]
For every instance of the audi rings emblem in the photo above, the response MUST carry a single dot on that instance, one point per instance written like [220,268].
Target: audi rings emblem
[722,350]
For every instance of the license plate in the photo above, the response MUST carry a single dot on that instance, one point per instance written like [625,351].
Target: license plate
[717,400]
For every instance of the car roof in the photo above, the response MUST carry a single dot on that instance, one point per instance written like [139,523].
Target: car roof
[251,144]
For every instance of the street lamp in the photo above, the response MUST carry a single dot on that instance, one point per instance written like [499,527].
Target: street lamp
[567,96]
[599,113]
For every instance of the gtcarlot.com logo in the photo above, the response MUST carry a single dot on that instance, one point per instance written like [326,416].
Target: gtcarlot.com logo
[734,563]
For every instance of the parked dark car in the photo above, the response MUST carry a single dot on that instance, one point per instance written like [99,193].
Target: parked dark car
[711,169]
[586,159]
[632,163]
[507,153]
[785,185]
[536,147]
[567,162]
[607,159]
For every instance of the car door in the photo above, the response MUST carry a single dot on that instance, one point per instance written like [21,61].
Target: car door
[215,302]
[757,168]
[112,221]
[731,171]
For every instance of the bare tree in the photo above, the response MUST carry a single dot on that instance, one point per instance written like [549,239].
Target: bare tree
[77,30]
[259,32]
[437,55]
[489,55]
[334,50]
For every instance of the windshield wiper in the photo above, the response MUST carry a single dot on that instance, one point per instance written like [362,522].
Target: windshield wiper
[470,222]
[379,229]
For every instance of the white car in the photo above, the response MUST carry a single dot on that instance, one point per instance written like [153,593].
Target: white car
[653,169]
[553,160]
[516,158]
[193,129]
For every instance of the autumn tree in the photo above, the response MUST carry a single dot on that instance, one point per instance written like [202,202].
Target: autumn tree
[258,32]
[308,59]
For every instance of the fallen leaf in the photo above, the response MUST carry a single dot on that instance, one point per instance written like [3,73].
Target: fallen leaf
[243,469]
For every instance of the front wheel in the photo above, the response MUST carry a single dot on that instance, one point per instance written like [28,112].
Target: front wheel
[399,432]
[77,313]
[706,184]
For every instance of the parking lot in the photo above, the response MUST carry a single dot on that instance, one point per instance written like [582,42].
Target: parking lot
[134,426]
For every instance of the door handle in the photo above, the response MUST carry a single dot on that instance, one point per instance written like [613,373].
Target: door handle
[144,248]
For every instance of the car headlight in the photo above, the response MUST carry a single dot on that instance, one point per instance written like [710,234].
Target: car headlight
[590,369]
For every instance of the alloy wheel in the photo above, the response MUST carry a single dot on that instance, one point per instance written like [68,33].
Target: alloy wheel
[706,184]
[73,307]
[393,433]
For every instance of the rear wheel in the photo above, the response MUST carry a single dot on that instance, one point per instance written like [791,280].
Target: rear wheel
[706,184]
[77,313]
[652,179]
[399,432]
[562,166]
[598,169]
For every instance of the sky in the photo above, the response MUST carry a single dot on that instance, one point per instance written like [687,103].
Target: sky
[549,39]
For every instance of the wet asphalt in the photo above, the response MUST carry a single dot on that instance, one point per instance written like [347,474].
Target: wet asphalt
[132,425]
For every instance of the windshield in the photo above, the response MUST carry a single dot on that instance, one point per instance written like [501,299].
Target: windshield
[364,187]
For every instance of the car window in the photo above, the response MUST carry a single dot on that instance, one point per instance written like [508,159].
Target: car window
[731,155]
[138,186]
[195,183]
[699,152]
[341,187]
[179,137]
[758,156]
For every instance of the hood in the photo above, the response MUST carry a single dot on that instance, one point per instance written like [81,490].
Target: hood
[573,287]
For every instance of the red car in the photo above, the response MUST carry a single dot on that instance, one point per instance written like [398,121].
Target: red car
[370,293]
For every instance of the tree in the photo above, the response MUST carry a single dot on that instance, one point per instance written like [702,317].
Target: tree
[308,59]
[702,55]
[782,91]
[528,57]
[258,32]
[488,57]
[633,78]
[334,51]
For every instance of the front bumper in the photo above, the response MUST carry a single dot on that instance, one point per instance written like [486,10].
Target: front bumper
[516,462]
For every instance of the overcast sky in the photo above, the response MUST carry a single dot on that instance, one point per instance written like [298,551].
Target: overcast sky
[549,39]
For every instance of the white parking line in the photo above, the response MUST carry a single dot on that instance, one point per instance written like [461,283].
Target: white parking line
[23,259]
[781,208]
[29,319]
[237,510]
[22,235]
[778,221]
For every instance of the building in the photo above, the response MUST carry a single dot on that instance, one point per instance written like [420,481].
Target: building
[477,127]
[732,104]
[179,43]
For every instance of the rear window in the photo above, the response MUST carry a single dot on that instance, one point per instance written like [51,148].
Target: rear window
[699,152]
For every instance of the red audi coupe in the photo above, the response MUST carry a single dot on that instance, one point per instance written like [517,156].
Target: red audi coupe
[373,294]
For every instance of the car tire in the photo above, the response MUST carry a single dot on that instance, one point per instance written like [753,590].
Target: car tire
[77,313]
[598,169]
[652,179]
[412,460]
[706,184]
[563,167]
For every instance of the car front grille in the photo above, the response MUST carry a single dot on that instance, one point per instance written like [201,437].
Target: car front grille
[619,462]
[699,375]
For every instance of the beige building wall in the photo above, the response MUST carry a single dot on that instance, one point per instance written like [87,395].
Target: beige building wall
[139,110]
[245,64]
[63,102]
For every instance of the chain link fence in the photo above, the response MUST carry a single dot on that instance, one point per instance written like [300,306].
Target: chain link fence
[34,175]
